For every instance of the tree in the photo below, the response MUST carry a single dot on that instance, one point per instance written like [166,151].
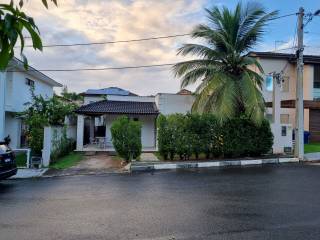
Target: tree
[42,112]
[13,23]
[72,96]
[228,85]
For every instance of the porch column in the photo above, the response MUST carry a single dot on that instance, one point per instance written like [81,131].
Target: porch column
[80,129]
[92,125]
[2,104]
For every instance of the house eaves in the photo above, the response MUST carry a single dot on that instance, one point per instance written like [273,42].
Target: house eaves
[17,65]
[311,59]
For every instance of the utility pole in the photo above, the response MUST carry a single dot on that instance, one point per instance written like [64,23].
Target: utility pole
[299,128]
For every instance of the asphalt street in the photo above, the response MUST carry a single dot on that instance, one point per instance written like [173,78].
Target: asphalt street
[281,202]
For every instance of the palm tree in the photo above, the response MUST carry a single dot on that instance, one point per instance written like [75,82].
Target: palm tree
[228,85]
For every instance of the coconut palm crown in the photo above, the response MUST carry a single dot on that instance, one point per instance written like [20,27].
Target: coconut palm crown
[228,85]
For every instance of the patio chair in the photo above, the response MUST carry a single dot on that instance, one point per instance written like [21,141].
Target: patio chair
[94,141]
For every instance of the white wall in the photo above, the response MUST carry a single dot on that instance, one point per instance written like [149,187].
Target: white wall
[148,138]
[279,141]
[13,128]
[18,92]
[90,99]
[173,103]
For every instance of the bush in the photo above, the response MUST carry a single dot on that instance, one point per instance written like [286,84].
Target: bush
[126,138]
[184,135]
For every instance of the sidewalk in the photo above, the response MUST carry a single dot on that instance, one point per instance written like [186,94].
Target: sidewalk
[29,173]
[312,156]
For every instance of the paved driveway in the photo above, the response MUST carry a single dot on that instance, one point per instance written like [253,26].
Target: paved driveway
[252,203]
[92,164]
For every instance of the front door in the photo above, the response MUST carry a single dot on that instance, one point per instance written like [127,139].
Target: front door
[314,125]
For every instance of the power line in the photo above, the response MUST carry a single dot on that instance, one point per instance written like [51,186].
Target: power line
[283,16]
[134,40]
[112,42]
[96,69]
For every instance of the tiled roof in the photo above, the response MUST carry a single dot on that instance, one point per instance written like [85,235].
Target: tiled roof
[119,107]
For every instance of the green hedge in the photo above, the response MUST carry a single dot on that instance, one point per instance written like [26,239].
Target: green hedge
[184,135]
[126,138]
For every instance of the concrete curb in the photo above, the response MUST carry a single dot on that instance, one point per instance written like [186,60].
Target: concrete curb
[210,164]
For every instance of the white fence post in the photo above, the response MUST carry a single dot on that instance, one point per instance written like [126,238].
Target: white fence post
[80,126]
[47,143]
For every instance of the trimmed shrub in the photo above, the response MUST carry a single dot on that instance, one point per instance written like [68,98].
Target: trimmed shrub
[184,135]
[126,138]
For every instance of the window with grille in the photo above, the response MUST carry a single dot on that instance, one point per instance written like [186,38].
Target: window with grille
[316,76]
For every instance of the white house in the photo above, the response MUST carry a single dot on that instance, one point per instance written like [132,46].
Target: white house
[102,106]
[15,84]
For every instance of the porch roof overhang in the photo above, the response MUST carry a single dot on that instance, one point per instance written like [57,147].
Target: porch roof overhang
[118,107]
[308,104]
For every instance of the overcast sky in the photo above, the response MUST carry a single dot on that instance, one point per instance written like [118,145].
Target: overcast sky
[80,21]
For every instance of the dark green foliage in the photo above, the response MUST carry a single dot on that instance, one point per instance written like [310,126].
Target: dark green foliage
[221,66]
[184,135]
[43,112]
[241,137]
[126,138]
[14,25]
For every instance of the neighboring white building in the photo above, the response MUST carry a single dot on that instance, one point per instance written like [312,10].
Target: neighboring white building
[15,84]
[102,106]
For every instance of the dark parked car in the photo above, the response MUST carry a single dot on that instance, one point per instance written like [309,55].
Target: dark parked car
[8,165]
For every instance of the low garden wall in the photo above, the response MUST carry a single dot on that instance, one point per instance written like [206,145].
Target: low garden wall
[57,142]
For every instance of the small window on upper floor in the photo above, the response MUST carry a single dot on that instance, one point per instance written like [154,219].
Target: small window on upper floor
[29,82]
[269,82]
[284,118]
[316,76]
[285,84]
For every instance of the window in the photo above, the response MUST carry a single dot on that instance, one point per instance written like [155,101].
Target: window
[284,118]
[29,82]
[283,131]
[285,84]
[269,83]
[316,76]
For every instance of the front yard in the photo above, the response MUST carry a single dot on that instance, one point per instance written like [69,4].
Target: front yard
[312,147]
[67,161]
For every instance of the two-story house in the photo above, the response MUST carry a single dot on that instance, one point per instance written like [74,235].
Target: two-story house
[286,65]
[15,92]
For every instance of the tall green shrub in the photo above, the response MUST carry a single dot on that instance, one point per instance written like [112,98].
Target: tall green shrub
[164,137]
[184,135]
[241,137]
[126,138]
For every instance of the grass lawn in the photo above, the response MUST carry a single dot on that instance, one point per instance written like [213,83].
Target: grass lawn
[67,161]
[312,147]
